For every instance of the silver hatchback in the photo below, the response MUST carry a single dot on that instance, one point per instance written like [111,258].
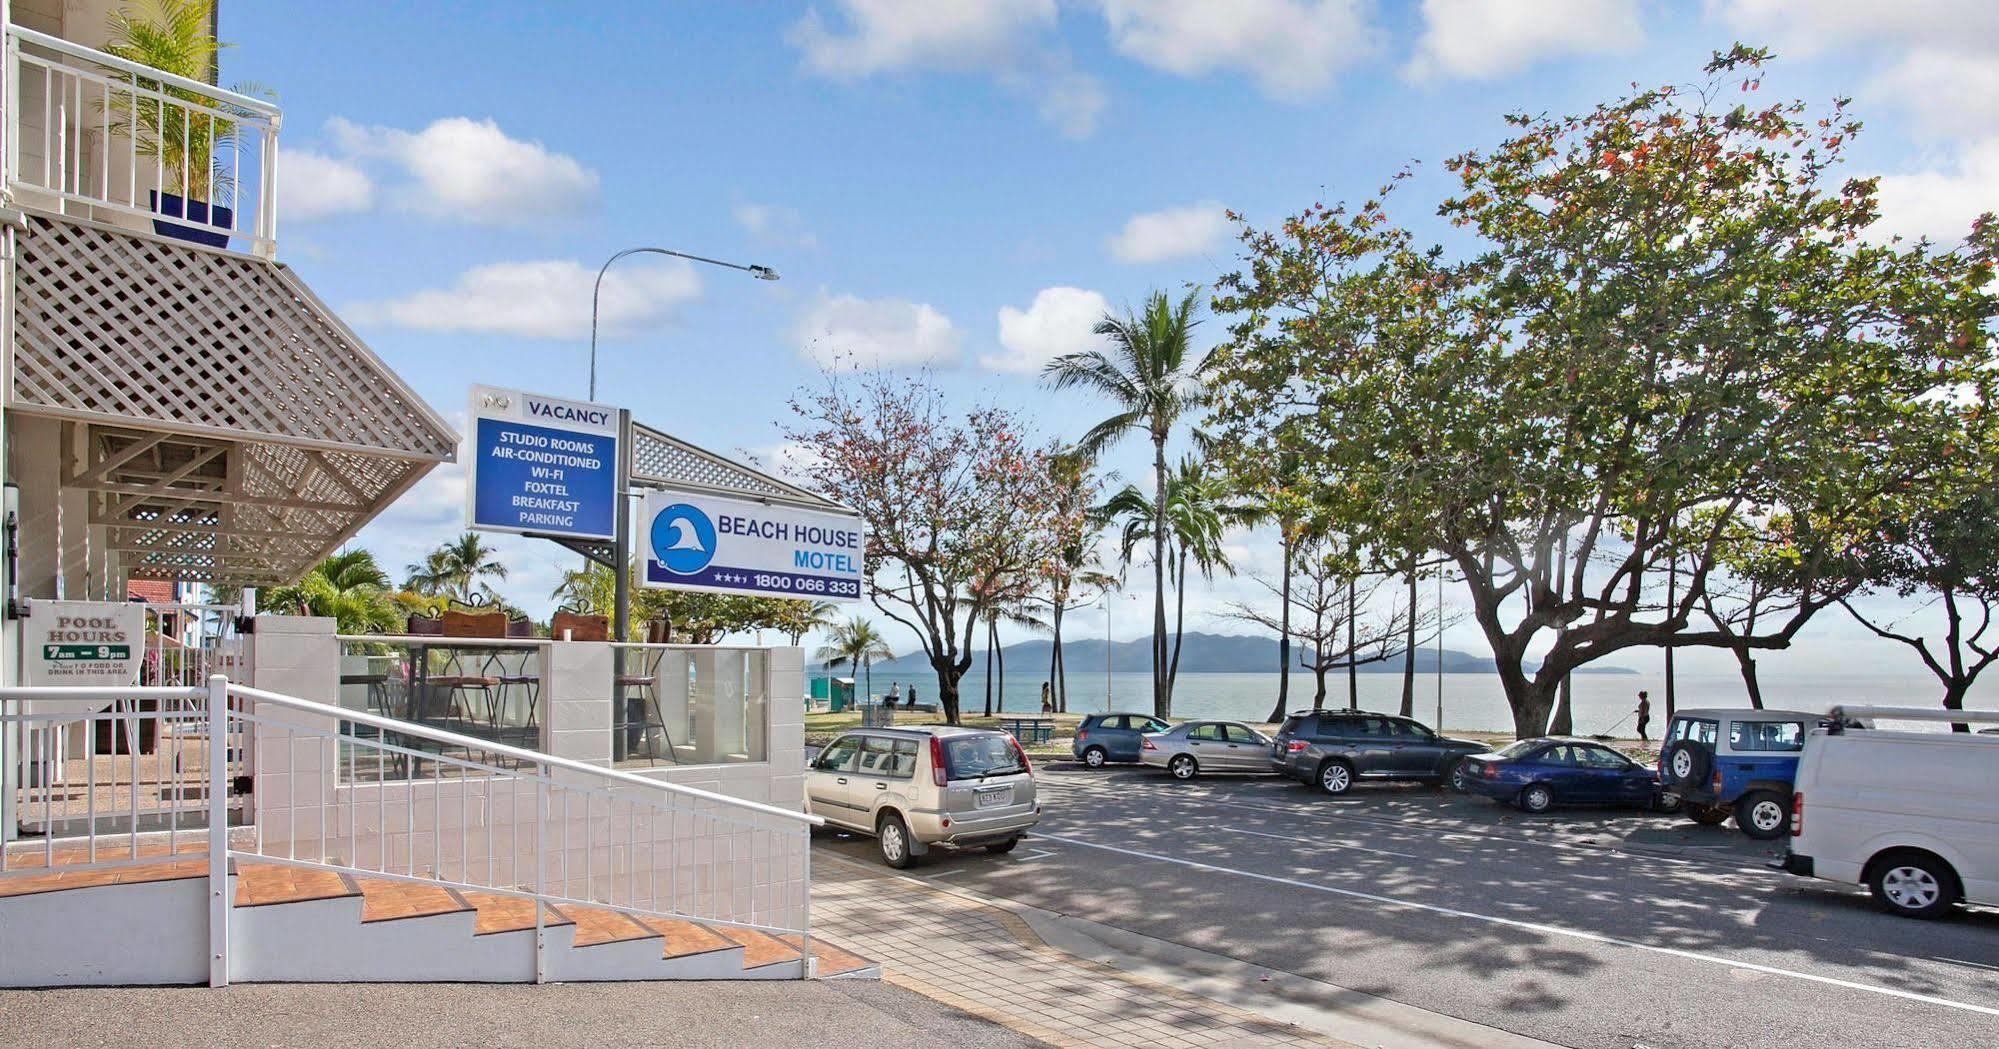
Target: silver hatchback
[917,788]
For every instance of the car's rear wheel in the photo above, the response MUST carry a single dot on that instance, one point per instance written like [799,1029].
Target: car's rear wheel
[1455,778]
[1667,802]
[1537,798]
[1914,885]
[1336,777]
[1003,846]
[1183,767]
[1706,815]
[1095,757]
[1762,814]
[893,838]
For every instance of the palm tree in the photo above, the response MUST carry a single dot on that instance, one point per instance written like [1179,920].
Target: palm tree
[1148,374]
[457,569]
[1199,511]
[1010,604]
[348,587]
[855,643]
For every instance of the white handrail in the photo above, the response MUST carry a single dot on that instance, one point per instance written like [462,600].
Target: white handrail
[442,641]
[411,728]
[95,693]
[99,58]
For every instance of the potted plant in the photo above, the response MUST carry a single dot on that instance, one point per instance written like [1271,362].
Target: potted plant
[177,37]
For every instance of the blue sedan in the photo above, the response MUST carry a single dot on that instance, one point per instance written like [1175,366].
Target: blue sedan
[1537,774]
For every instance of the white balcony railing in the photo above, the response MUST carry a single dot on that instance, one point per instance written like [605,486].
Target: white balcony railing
[99,137]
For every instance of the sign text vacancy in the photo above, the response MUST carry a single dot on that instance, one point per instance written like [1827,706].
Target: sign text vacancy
[542,465]
[719,545]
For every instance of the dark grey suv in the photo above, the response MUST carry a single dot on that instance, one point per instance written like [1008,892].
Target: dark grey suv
[1337,748]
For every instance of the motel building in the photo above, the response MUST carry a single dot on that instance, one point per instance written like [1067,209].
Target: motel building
[194,792]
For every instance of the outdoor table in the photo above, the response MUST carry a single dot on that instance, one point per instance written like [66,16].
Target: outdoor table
[1029,728]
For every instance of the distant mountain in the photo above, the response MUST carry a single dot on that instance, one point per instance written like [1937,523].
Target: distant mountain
[1201,654]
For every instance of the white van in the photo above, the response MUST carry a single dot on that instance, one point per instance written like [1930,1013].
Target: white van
[1914,816]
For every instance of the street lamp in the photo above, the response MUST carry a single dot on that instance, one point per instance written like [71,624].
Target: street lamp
[759,272]
[622,536]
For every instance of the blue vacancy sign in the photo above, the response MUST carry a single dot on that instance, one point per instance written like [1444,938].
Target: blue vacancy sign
[542,465]
[716,545]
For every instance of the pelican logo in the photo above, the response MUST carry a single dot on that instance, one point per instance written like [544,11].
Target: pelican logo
[683,539]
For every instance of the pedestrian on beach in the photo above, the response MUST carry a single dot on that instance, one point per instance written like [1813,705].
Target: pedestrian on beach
[1047,698]
[894,694]
[911,704]
[1644,713]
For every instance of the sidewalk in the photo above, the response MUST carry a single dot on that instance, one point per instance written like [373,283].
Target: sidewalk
[990,963]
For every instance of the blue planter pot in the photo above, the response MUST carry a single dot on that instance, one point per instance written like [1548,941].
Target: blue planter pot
[193,211]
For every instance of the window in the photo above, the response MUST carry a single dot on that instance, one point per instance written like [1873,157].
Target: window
[1206,733]
[1559,755]
[1239,734]
[840,756]
[1766,736]
[1113,721]
[1602,758]
[1700,730]
[1149,724]
[969,757]
[1518,749]
[888,758]
[1410,730]
[1375,728]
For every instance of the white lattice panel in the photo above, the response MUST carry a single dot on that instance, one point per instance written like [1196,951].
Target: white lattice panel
[667,462]
[122,325]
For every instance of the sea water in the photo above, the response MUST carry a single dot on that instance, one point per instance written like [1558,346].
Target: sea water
[1474,702]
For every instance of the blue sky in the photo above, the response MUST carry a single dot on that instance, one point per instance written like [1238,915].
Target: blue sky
[959,185]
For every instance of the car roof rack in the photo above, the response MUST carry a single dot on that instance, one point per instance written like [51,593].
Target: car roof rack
[1842,714]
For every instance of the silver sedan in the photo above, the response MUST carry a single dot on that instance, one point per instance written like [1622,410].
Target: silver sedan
[1188,749]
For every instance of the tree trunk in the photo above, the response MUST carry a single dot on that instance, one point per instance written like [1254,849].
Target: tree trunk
[1353,668]
[1747,663]
[947,693]
[1409,650]
[1532,704]
[1055,654]
[1162,700]
[1284,639]
[1179,623]
[1953,699]
[1564,721]
[989,666]
[1319,671]
[1000,679]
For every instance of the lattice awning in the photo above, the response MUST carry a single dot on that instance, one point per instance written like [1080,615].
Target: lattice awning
[663,461]
[229,427]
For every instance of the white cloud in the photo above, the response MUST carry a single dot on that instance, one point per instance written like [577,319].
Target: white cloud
[1058,322]
[1008,40]
[1935,59]
[1293,48]
[775,224]
[1488,39]
[547,299]
[1171,233]
[314,185]
[1941,203]
[874,333]
[471,171]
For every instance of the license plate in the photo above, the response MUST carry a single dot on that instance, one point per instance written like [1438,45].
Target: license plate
[992,799]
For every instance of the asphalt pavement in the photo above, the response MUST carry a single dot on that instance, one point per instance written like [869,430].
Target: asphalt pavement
[1586,927]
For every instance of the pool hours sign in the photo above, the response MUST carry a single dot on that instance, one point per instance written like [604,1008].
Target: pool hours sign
[716,545]
[542,465]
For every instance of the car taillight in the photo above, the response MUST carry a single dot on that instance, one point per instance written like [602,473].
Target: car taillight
[937,775]
[1717,781]
[1146,744]
[1021,753]
[1082,733]
[1797,814]
[1489,770]
[1294,746]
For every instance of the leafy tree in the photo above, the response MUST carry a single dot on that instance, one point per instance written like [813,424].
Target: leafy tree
[1668,321]
[458,570]
[1152,377]
[688,618]
[954,509]
[1949,558]
[349,587]
[855,643]
[1198,513]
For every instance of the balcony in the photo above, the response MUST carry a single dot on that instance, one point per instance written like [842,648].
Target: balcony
[95,137]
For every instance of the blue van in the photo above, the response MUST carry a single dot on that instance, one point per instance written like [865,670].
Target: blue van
[1724,762]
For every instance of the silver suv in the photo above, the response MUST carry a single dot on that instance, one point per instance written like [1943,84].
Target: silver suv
[914,788]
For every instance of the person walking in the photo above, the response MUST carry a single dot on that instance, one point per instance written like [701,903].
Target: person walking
[910,704]
[1644,713]
[894,694]
[1047,698]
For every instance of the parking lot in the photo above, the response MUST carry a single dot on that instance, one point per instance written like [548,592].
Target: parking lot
[1584,927]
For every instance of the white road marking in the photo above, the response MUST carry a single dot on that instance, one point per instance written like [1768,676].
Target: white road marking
[1552,930]
[1318,842]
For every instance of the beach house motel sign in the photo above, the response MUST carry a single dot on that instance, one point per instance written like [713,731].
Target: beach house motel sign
[718,545]
[542,465]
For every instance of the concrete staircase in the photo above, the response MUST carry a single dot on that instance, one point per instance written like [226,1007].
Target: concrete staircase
[147,923]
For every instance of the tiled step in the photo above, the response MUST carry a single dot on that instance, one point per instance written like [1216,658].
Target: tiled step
[760,949]
[500,913]
[685,938]
[384,899]
[265,884]
[832,961]
[596,926]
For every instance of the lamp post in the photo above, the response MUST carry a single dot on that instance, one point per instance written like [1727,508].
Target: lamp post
[622,535]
